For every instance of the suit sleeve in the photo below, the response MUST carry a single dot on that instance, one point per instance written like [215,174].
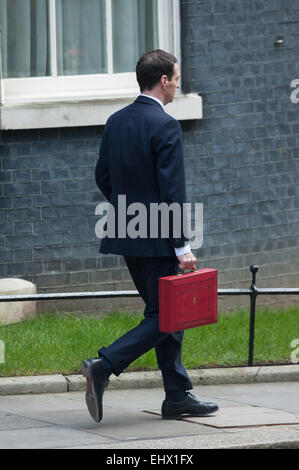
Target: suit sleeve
[170,173]
[102,171]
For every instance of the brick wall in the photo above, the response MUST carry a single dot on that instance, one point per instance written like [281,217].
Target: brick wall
[243,157]
[47,221]
[242,162]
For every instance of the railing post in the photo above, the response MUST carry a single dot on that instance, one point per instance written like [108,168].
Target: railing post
[253,295]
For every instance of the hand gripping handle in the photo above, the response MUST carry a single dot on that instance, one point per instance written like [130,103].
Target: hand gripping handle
[181,271]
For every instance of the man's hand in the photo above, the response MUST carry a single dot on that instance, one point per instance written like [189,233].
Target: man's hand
[187,261]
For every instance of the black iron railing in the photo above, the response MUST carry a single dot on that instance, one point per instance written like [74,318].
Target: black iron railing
[253,292]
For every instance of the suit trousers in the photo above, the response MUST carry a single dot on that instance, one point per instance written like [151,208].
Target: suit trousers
[145,272]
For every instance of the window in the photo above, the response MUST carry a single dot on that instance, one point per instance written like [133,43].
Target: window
[64,49]
[24,38]
[80,37]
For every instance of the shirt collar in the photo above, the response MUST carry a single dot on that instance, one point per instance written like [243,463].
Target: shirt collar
[154,98]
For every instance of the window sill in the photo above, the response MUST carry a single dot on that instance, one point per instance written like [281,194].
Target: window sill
[85,111]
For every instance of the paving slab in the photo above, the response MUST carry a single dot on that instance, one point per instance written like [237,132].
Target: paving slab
[14,421]
[278,395]
[257,438]
[48,437]
[241,416]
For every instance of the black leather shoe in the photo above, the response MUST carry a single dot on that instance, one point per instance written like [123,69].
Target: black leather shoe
[190,406]
[94,371]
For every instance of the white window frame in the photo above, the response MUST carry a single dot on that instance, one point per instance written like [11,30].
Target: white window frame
[83,100]
[92,86]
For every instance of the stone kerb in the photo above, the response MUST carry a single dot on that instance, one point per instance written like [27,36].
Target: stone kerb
[14,312]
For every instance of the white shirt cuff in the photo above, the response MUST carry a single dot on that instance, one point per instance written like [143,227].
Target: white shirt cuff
[182,250]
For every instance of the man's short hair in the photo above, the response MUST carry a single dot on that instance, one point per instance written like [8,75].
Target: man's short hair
[152,66]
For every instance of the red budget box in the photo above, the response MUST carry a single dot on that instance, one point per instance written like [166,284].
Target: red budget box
[187,300]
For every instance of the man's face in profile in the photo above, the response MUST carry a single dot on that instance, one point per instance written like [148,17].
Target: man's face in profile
[172,85]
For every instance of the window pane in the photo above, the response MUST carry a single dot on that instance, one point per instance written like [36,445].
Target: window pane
[81,37]
[135,31]
[25,38]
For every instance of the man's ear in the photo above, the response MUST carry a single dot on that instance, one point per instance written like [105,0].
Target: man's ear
[164,80]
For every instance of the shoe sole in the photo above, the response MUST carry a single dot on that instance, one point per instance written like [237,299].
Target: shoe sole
[91,398]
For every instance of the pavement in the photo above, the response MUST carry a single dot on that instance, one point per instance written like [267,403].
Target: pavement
[259,409]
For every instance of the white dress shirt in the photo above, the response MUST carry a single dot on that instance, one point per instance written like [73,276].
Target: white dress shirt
[186,248]
[154,98]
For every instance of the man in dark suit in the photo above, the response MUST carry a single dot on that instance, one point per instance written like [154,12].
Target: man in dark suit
[141,158]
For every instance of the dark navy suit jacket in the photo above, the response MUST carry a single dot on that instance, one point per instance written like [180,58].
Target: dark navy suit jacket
[141,157]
